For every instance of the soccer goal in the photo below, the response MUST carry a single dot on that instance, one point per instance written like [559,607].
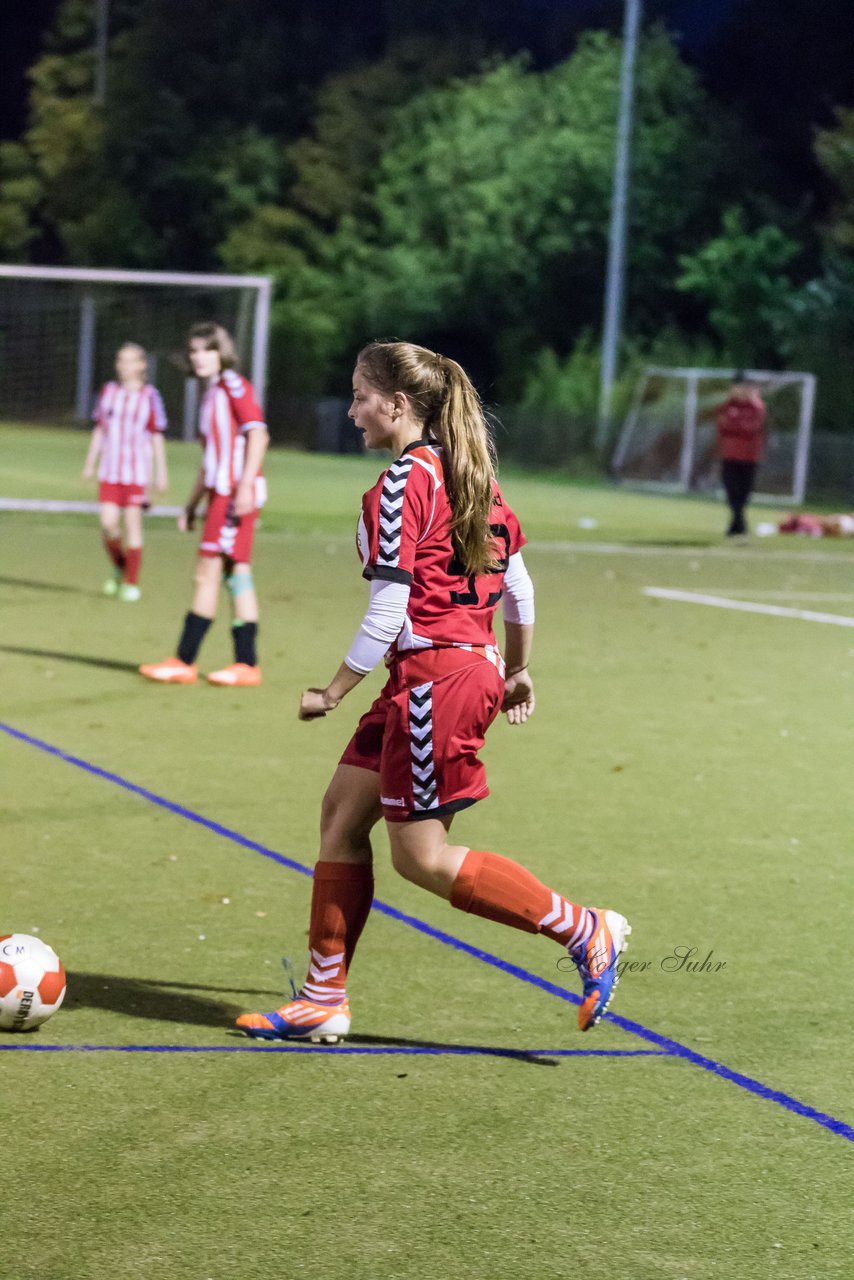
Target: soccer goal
[60,328]
[668,441]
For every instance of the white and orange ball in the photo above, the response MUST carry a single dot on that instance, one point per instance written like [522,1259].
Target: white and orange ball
[32,982]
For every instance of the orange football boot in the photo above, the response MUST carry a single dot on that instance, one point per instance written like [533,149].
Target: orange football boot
[169,671]
[300,1020]
[239,674]
[597,964]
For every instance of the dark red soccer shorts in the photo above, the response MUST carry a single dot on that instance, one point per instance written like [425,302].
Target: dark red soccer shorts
[423,733]
[224,533]
[122,495]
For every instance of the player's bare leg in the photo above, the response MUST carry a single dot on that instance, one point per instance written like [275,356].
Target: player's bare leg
[129,590]
[182,668]
[244,671]
[420,852]
[499,889]
[350,810]
[110,517]
[340,903]
[207,581]
[111,531]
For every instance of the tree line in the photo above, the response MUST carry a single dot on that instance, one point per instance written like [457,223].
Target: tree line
[414,178]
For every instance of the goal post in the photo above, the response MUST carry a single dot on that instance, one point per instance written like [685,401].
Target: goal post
[61,326]
[668,439]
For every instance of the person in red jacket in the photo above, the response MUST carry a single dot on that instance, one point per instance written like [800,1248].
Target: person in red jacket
[740,424]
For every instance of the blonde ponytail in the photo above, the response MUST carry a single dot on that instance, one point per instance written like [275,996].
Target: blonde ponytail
[443,397]
[461,430]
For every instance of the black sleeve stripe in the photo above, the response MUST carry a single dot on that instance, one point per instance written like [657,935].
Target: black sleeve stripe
[387,572]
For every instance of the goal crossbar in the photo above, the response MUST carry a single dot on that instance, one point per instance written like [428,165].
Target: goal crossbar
[262,285]
[107,275]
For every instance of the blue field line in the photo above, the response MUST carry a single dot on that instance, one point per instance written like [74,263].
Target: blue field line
[409,1050]
[669,1048]
[161,801]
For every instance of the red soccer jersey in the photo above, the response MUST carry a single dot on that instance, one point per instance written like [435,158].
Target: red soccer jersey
[128,419]
[404,536]
[740,426]
[229,410]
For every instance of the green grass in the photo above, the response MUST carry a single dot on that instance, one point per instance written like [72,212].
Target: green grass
[688,765]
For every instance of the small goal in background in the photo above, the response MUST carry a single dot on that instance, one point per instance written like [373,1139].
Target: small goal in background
[60,328]
[668,441]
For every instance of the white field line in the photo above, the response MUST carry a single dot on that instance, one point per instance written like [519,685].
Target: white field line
[693,553]
[826,597]
[747,606]
[60,507]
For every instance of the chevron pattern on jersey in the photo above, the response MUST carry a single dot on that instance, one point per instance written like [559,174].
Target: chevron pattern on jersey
[425,791]
[391,511]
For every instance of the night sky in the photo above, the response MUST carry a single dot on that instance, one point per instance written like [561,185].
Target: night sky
[784,64]
[21,27]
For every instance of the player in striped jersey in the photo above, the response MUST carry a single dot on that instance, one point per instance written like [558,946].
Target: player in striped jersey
[440,548]
[234,440]
[127,437]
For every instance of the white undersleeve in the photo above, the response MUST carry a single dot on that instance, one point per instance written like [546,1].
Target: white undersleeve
[518,599]
[380,626]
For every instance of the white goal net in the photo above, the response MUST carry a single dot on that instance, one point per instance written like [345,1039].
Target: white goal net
[61,327]
[668,441]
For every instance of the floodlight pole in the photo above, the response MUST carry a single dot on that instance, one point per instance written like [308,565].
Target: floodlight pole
[85,359]
[616,271]
[102,31]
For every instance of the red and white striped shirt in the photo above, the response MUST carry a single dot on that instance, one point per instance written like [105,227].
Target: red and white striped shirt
[229,409]
[128,419]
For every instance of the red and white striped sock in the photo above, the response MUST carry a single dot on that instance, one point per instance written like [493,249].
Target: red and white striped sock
[340,904]
[499,889]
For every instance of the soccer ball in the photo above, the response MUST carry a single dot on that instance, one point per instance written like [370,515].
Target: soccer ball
[32,982]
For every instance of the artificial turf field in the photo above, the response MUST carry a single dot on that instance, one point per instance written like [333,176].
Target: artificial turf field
[688,765]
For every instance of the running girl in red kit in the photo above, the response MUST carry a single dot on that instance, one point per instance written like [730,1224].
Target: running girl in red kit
[440,548]
[234,438]
[128,437]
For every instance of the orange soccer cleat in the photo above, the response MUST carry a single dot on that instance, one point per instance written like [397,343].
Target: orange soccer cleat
[169,671]
[239,674]
[597,964]
[300,1020]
